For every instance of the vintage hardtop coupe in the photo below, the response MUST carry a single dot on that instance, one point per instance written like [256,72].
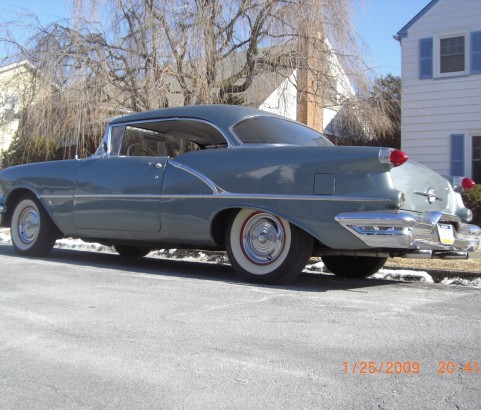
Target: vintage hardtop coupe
[270,191]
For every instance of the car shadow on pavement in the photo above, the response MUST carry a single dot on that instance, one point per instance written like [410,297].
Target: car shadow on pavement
[307,281]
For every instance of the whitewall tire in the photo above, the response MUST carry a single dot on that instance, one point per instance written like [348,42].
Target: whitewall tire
[33,232]
[263,247]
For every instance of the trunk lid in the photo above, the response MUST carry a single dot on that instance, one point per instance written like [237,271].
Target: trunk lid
[424,188]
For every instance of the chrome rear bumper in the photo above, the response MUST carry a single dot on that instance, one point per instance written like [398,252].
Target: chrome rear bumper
[409,231]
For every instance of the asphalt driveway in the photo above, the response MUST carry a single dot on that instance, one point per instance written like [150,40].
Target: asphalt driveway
[92,330]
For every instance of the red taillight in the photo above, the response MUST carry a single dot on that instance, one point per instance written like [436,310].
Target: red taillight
[394,157]
[467,184]
[398,157]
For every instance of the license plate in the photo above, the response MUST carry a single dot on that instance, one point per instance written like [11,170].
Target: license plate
[446,234]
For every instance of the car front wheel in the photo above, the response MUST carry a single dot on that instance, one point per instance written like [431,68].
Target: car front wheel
[33,232]
[265,248]
[353,266]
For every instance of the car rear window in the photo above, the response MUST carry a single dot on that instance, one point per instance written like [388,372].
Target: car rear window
[269,130]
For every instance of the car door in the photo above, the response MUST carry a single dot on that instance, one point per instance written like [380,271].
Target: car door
[118,194]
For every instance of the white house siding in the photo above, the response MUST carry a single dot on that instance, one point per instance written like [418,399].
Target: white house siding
[283,101]
[434,109]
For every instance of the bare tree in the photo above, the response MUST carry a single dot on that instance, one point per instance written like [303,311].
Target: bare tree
[133,55]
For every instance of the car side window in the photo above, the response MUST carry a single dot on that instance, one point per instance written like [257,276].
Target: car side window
[116,134]
[178,146]
[138,142]
[164,138]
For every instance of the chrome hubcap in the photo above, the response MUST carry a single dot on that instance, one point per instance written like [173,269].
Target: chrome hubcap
[28,225]
[262,238]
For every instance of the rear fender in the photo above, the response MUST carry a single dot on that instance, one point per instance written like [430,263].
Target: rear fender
[323,229]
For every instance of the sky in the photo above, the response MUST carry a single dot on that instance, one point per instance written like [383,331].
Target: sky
[375,20]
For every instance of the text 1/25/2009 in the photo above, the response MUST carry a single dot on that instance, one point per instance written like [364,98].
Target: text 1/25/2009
[390,367]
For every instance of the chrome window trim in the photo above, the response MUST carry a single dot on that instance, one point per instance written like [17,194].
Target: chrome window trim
[221,132]
[228,140]
[248,117]
[106,138]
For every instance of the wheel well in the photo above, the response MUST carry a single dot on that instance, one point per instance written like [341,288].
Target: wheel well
[219,225]
[12,200]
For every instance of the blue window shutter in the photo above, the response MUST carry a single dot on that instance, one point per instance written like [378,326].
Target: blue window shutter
[457,154]
[476,52]
[425,58]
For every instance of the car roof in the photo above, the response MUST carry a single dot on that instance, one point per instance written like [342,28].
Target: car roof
[222,115]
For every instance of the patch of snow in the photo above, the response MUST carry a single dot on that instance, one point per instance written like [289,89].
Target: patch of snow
[317,267]
[71,243]
[5,236]
[474,282]
[403,275]
[191,255]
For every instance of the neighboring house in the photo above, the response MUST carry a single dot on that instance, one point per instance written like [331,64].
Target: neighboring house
[319,109]
[287,90]
[20,86]
[297,97]
[441,87]
[16,92]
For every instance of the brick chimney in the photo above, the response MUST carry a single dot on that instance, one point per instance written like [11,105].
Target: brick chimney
[310,70]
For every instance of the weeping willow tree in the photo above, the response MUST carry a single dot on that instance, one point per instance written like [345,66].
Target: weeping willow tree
[118,56]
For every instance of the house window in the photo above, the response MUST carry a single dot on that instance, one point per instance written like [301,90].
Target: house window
[9,108]
[452,54]
[476,155]
[466,155]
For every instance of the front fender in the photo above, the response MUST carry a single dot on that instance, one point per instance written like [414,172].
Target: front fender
[51,182]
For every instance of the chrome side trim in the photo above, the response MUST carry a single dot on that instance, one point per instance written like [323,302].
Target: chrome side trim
[211,184]
[322,198]
[119,196]
[227,195]
[404,230]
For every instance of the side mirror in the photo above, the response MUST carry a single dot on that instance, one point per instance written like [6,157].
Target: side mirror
[104,148]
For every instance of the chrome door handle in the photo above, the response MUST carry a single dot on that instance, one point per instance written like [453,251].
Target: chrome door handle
[155,164]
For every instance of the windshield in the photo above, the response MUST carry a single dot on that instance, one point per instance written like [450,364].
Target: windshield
[272,130]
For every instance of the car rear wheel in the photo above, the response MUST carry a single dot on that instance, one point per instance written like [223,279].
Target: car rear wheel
[353,266]
[265,248]
[33,232]
[131,251]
